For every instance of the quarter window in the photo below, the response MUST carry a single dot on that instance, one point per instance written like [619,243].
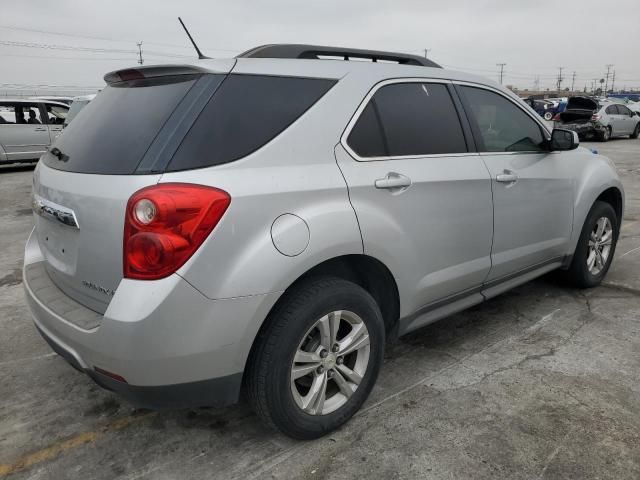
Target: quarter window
[502,126]
[408,119]
[244,114]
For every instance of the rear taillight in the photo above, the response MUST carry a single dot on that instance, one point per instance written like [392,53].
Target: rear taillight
[595,118]
[165,224]
[556,117]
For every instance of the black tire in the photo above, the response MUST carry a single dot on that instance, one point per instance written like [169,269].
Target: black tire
[578,273]
[269,367]
[606,135]
[636,132]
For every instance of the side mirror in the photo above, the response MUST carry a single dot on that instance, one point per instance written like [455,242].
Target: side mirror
[564,139]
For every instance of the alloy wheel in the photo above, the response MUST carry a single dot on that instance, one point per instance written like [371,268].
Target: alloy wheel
[600,242]
[330,362]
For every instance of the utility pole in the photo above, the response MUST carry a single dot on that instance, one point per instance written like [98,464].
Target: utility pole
[426,52]
[606,83]
[573,80]
[559,83]
[536,83]
[140,60]
[501,65]
[613,81]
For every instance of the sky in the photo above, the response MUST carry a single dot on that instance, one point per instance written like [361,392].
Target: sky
[73,43]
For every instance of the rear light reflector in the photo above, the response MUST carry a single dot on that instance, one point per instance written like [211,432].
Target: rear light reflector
[165,224]
[109,374]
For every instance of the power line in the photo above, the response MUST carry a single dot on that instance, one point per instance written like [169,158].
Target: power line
[108,39]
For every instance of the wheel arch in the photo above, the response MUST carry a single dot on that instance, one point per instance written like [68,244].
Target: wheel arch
[364,270]
[613,196]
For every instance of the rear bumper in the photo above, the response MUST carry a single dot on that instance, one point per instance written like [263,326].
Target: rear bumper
[589,128]
[173,346]
[216,392]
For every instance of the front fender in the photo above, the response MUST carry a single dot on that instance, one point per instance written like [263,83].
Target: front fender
[597,175]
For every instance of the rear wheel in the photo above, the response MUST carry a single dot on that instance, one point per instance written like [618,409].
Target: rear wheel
[595,248]
[605,135]
[318,359]
[636,131]
[548,115]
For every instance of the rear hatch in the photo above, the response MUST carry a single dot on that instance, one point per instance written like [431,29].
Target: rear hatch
[116,145]
[579,110]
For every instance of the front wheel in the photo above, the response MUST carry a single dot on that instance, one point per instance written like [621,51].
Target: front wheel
[318,358]
[595,248]
[636,131]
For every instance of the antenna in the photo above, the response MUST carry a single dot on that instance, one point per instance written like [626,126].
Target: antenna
[200,55]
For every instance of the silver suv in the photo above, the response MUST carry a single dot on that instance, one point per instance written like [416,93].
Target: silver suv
[264,224]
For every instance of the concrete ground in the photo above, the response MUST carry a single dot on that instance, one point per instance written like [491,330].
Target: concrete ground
[542,382]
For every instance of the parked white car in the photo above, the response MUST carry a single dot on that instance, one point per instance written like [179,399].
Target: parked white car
[27,128]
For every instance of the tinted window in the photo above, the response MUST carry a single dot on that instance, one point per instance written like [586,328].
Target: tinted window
[366,137]
[246,112]
[419,119]
[622,110]
[612,110]
[112,133]
[502,126]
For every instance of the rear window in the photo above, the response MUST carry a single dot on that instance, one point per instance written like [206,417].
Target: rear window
[111,134]
[245,113]
[408,119]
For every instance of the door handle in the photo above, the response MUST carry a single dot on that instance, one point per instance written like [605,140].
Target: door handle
[40,129]
[507,177]
[393,181]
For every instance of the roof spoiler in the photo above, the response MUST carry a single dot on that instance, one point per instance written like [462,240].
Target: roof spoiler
[150,72]
[316,52]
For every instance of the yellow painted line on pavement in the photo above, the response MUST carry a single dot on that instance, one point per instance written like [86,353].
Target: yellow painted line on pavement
[53,451]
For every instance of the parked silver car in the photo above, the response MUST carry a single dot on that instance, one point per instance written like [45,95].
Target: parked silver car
[267,222]
[27,127]
[602,120]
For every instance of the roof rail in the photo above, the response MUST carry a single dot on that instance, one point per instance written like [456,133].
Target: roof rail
[286,50]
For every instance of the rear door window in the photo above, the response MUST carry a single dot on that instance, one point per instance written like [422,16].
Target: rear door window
[366,137]
[413,119]
[612,110]
[245,113]
[112,133]
[501,125]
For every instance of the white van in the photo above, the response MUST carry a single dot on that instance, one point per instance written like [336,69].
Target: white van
[27,128]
